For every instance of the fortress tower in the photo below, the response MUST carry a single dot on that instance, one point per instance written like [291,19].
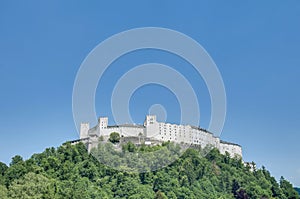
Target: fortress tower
[84,130]
[103,122]
[151,126]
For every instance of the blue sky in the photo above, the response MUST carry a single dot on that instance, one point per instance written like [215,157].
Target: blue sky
[255,44]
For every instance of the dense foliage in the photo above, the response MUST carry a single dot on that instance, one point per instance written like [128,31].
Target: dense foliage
[114,137]
[127,157]
[70,172]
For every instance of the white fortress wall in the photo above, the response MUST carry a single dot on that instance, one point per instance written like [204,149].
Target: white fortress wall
[174,132]
[217,140]
[107,131]
[204,138]
[131,130]
[159,131]
[182,133]
[232,149]
[124,131]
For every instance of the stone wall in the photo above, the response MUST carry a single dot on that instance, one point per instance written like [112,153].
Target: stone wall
[159,131]
[232,149]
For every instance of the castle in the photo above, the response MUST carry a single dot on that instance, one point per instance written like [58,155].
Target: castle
[156,132]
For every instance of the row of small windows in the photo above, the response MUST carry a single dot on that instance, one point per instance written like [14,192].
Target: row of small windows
[171,126]
[171,130]
[169,138]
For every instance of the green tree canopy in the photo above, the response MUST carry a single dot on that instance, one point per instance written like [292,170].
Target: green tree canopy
[114,137]
[71,172]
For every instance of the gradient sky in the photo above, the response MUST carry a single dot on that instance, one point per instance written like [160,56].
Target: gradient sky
[255,44]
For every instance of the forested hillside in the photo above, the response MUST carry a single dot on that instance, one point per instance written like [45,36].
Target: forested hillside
[70,172]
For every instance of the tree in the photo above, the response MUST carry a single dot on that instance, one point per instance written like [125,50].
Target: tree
[160,195]
[14,172]
[3,168]
[3,192]
[32,186]
[83,188]
[241,194]
[101,138]
[16,160]
[130,147]
[288,189]
[114,137]
[235,188]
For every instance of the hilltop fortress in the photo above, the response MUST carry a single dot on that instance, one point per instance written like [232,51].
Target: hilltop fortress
[153,132]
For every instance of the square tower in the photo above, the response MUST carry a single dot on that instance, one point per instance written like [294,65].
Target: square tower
[150,119]
[103,122]
[151,126]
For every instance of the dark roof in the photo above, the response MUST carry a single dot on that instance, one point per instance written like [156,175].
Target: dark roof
[230,143]
[127,125]
[201,129]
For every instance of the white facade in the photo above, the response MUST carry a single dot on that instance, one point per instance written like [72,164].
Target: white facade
[159,131]
[230,148]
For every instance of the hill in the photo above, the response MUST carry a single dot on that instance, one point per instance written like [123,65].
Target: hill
[70,172]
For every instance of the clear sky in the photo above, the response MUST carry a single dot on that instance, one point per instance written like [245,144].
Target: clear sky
[255,44]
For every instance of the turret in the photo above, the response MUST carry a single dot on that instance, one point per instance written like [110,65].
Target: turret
[151,125]
[150,119]
[84,129]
